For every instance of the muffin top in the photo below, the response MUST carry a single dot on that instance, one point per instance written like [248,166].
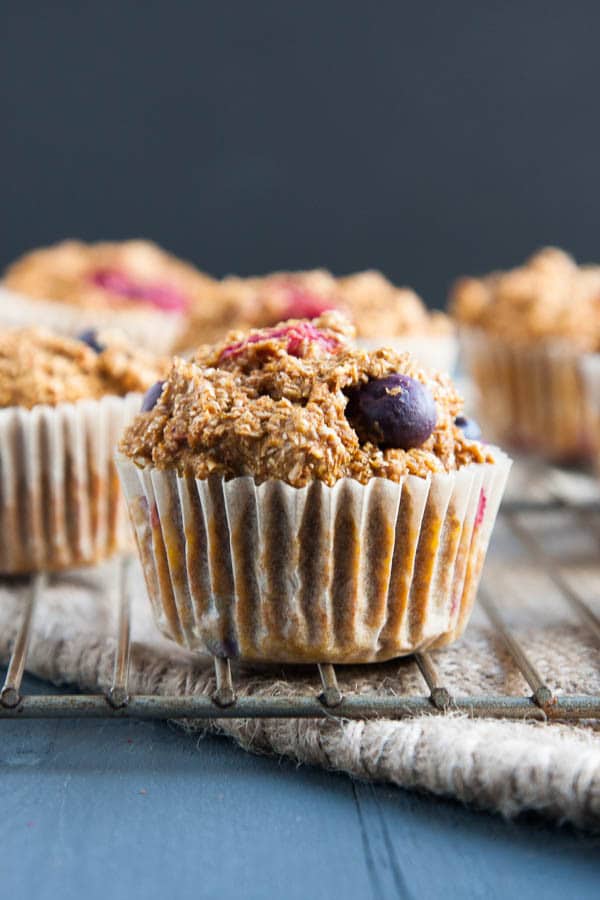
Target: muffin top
[550,296]
[126,275]
[298,402]
[373,303]
[37,366]
[380,308]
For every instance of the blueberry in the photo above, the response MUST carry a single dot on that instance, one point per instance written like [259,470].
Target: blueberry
[90,337]
[396,411]
[469,428]
[152,395]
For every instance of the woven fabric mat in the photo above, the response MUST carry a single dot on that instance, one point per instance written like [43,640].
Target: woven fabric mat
[505,766]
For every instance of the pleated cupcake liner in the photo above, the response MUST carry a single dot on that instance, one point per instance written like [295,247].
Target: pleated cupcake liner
[60,500]
[150,328]
[436,351]
[345,574]
[531,397]
[590,370]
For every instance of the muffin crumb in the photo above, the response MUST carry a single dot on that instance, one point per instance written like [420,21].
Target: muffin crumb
[37,367]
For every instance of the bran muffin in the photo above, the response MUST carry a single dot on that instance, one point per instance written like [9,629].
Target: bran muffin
[375,306]
[525,334]
[63,402]
[296,499]
[133,285]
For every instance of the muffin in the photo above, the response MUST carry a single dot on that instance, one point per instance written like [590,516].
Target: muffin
[132,285]
[524,336]
[377,308]
[63,403]
[296,499]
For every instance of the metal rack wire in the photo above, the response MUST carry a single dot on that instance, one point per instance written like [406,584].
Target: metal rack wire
[330,701]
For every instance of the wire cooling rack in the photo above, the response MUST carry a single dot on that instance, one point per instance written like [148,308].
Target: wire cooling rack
[328,699]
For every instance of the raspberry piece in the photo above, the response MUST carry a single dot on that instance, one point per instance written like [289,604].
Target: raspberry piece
[162,296]
[300,303]
[480,508]
[298,337]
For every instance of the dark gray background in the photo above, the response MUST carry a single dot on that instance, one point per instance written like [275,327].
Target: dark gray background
[427,139]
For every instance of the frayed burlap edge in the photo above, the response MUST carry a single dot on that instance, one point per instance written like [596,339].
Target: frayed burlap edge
[509,767]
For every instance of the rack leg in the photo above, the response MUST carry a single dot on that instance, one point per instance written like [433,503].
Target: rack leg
[117,695]
[224,694]
[541,692]
[439,695]
[331,696]
[10,694]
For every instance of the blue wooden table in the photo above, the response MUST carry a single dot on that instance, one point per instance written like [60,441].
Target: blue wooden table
[120,809]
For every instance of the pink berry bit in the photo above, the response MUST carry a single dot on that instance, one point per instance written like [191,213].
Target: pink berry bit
[301,303]
[163,296]
[298,338]
[480,508]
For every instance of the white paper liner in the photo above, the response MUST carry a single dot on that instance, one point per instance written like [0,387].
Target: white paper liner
[147,327]
[60,499]
[436,351]
[531,397]
[350,574]
[590,370]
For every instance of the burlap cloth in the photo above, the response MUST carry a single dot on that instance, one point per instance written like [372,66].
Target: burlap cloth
[505,766]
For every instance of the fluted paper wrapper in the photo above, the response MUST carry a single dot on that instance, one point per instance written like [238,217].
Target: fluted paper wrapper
[531,397]
[351,573]
[436,351]
[60,500]
[590,369]
[150,328]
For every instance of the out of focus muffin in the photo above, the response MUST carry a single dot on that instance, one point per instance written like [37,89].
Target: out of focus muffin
[133,285]
[525,334]
[381,312]
[63,402]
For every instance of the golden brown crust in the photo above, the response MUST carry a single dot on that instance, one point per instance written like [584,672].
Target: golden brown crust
[38,367]
[65,272]
[550,296]
[250,407]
